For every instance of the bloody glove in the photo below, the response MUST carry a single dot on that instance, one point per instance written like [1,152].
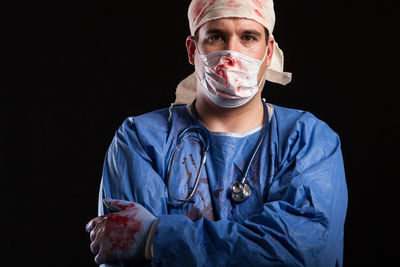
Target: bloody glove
[120,236]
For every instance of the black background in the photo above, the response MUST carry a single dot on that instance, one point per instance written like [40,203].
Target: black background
[73,73]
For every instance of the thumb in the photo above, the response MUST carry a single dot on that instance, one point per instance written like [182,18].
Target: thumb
[115,205]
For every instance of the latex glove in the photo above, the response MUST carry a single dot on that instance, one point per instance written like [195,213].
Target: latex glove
[120,236]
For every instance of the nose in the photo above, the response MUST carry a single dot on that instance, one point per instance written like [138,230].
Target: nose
[232,44]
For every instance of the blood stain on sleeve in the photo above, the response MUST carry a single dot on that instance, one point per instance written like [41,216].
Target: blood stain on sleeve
[218,192]
[193,162]
[208,212]
[194,213]
[203,180]
[202,199]
[188,173]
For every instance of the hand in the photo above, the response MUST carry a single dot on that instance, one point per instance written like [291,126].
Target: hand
[120,236]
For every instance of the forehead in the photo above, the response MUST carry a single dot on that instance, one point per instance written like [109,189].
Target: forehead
[232,24]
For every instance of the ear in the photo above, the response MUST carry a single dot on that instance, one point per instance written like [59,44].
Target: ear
[191,48]
[270,45]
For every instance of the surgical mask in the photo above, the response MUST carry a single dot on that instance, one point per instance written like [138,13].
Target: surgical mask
[228,78]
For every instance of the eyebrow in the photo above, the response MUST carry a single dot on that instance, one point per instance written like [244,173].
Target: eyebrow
[246,32]
[214,31]
[251,32]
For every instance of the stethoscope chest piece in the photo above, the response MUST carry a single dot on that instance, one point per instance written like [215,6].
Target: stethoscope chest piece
[240,191]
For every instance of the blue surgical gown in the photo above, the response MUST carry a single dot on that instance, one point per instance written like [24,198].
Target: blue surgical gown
[294,216]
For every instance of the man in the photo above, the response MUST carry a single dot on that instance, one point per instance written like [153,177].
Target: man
[225,180]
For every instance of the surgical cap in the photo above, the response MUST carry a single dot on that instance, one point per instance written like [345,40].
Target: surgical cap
[262,11]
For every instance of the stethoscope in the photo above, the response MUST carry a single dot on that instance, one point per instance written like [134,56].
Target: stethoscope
[240,191]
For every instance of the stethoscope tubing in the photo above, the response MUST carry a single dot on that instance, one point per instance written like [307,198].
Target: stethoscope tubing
[259,141]
[206,146]
[205,140]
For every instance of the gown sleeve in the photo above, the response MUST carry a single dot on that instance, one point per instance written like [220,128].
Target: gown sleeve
[127,160]
[301,223]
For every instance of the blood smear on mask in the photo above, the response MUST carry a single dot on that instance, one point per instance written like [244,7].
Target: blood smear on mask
[220,72]
[231,62]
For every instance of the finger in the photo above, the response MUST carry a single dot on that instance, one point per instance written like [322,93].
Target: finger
[115,205]
[95,247]
[92,224]
[93,234]
[108,256]
[95,231]
[100,257]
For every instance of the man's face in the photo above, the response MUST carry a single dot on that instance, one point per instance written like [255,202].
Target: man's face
[240,35]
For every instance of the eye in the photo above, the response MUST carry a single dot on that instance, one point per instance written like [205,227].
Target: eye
[215,38]
[249,38]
